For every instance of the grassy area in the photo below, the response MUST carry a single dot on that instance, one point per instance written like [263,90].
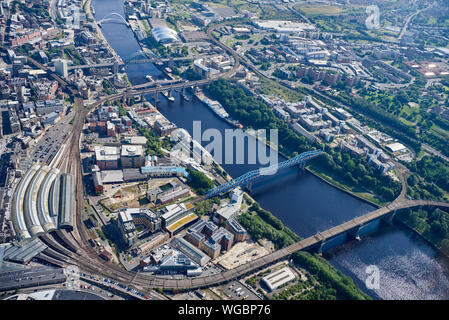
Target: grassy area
[360,193]
[85,6]
[100,234]
[132,189]
[439,131]
[270,13]
[238,5]
[319,9]
[276,89]
[145,25]
[230,42]
[406,122]
[125,77]
[181,11]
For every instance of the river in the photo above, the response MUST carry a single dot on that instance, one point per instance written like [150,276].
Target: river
[409,267]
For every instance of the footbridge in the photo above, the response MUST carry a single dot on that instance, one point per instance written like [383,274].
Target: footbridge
[141,55]
[248,178]
[114,17]
[148,56]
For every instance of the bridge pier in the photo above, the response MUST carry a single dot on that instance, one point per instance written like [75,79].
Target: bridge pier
[249,187]
[301,166]
[156,100]
[183,94]
[126,97]
[354,234]
[389,218]
[320,246]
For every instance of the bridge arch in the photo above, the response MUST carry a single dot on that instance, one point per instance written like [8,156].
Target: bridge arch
[139,55]
[113,17]
[251,176]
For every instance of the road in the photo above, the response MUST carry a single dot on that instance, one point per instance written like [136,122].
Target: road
[435,152]
[409,18]
[88,259]
[285,252]
[261,74]
[53,10]
[292,8]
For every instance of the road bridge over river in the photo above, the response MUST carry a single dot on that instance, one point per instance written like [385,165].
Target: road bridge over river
[311,243]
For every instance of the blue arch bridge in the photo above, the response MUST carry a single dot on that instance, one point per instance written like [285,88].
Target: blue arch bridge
[248,178]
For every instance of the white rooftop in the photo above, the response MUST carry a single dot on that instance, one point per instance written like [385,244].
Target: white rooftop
[131,151]
[125,216]
[277,278]
[395,147]
[104,153]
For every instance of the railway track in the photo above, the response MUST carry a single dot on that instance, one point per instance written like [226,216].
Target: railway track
[63,235]
[88,258]
[47,258]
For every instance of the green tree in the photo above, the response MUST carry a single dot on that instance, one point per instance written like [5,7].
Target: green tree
[199,181]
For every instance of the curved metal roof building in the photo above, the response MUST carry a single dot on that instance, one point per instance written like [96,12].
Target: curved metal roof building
[53,199]
[43,201]
[18,204]
[164,34]
[30,203]
[67,202]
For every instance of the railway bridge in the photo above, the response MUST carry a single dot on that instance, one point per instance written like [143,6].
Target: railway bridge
[349,229]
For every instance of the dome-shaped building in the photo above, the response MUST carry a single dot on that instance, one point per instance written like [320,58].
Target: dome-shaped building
[164,34]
